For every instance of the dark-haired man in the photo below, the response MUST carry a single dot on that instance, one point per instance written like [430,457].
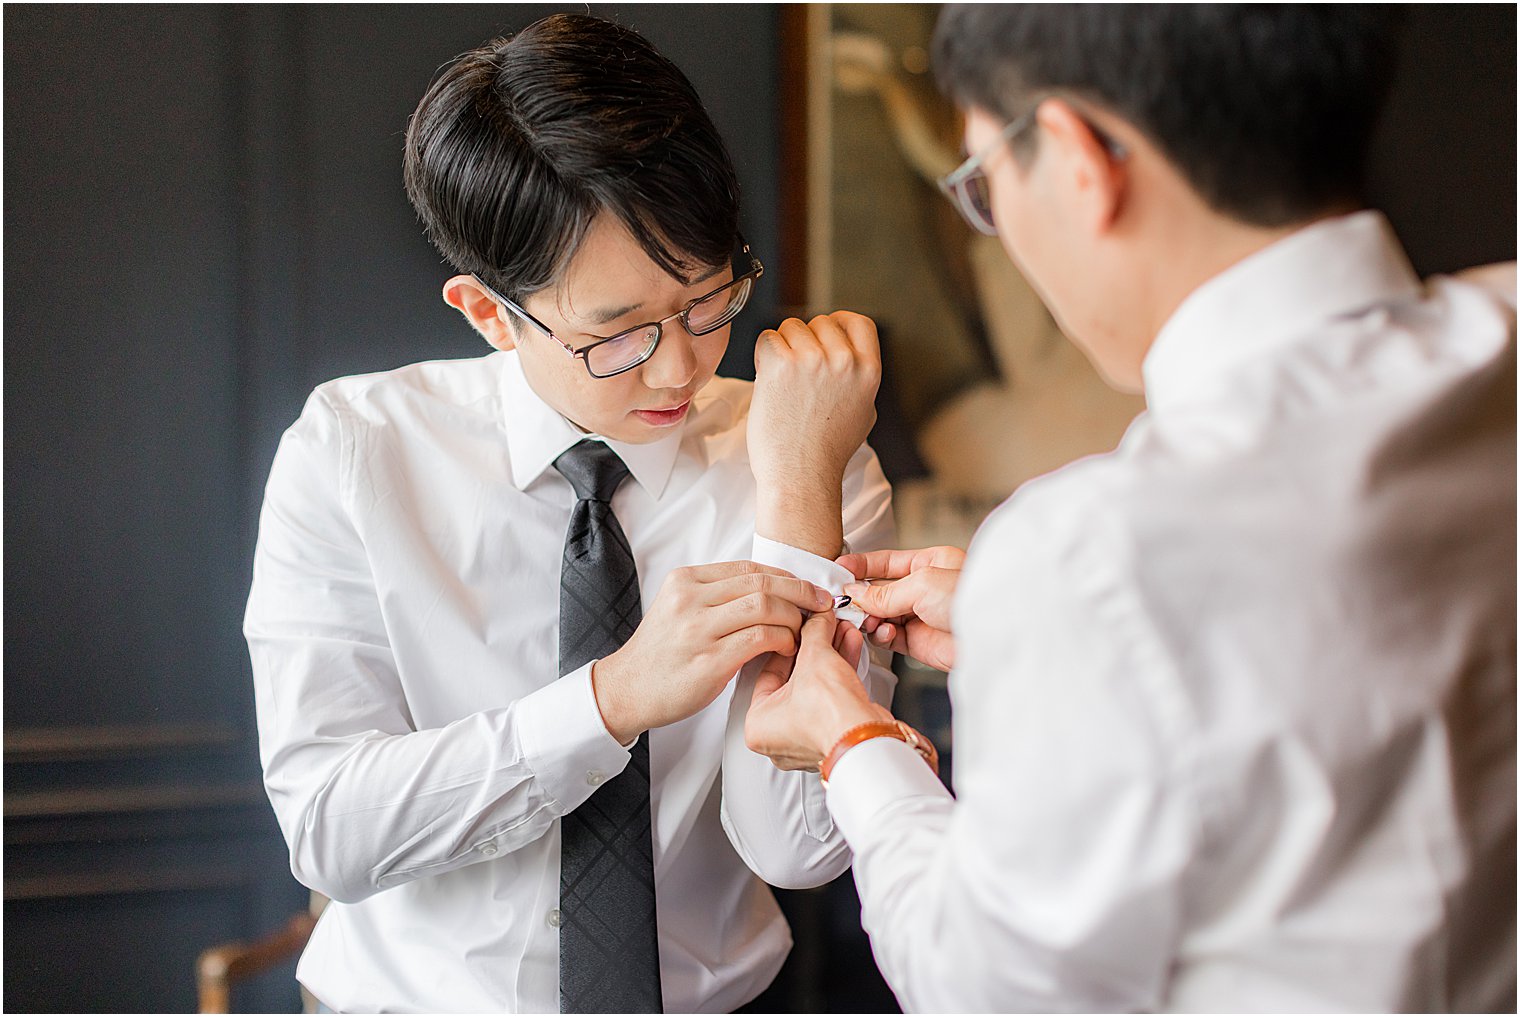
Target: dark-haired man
[1234,705]
[498,604]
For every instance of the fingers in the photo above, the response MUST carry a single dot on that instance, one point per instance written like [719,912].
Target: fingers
[841,336]
[755,609]
[736,649]
[857,330]
[718,571]
[849,644]
[876,564]
[799,592]
[889,599]
[891,636]
[893,564]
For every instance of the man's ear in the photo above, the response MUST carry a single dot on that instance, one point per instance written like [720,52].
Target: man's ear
[485,315]
[1097,176]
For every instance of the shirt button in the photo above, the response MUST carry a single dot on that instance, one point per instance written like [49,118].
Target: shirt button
[554,919]
[489,850]
[595,777]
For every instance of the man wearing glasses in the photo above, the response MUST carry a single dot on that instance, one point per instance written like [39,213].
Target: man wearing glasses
[1234,706]
[499,604]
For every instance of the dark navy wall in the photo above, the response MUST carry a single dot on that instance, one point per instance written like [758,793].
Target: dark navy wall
[204,219]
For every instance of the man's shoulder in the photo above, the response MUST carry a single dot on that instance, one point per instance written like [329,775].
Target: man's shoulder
[1073,525]
[381,397]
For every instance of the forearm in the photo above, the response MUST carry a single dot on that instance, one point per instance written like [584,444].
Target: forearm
[898,829]
[969,912]
[930,908]
[364,809]
[803,511]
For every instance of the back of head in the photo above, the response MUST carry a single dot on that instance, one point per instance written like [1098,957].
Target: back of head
[1266,110]
[520,144]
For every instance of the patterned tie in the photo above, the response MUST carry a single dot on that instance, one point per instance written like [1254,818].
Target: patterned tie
[609,953]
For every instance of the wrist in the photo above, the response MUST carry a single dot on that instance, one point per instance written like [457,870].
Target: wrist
[619,712]
[861,733]
[789,481]
[839,722]
[809,518]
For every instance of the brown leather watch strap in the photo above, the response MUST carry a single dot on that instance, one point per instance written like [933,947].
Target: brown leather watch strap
[879,729]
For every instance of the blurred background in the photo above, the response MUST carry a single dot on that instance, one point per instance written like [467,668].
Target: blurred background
[204,219]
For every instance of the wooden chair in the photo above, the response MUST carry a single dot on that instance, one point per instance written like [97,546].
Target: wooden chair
[221,967]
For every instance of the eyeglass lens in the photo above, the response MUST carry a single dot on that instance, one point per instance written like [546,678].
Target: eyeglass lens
[976,202]
[628,349]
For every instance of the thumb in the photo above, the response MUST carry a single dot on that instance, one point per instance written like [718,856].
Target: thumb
[773,674]
[886,599]
[817,634]
[765,346]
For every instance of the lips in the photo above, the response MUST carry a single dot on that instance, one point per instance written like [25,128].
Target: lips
[664,417]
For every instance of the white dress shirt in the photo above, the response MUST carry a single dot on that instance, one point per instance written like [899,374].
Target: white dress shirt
[419,745]
[1234,706]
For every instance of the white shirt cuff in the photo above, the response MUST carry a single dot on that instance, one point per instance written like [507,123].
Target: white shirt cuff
[565,741]
[806,565]
[873,776]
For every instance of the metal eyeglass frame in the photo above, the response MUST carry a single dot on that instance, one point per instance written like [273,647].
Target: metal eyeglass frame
[955,184]
[756,270]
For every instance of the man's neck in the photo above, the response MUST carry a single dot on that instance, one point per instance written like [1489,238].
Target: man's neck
[1204,246]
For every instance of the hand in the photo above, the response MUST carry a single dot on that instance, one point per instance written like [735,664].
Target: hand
[801,708]
[911,613]
[706,623]
[814,403]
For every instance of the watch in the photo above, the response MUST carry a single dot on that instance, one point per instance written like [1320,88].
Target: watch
[878,729]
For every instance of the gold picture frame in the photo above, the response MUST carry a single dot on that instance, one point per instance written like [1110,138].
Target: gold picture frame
[989,390]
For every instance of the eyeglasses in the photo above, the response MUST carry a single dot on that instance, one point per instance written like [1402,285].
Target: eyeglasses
[630,348]
[967,186]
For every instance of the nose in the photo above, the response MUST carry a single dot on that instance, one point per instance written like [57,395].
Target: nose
[674,363]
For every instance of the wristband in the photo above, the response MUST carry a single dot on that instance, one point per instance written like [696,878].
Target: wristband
[878,729]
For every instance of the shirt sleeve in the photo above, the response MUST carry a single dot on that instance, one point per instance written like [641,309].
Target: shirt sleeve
[778,820]
[1051,882]
[365,800]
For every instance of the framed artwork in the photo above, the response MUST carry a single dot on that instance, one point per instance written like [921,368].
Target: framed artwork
[986,391]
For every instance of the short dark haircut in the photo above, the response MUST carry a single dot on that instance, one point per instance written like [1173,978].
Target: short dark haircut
[1268,111]
[520,144]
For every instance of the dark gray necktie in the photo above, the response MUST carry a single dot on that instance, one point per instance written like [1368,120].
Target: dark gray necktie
[609,954]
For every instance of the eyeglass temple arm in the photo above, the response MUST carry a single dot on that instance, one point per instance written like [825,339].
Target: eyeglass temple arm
[520,312]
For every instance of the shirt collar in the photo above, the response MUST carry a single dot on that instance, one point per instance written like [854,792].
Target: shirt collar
[1333,268]
[537,434]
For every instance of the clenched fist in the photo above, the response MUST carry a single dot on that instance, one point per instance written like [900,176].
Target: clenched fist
[814,403]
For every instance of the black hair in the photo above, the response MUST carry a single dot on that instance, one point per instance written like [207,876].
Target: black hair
[520,144]
[1267,110]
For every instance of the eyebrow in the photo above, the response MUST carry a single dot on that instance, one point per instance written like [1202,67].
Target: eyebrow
[602,317]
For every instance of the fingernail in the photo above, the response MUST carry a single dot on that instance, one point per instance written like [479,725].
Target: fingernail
[823,598]
[855,589]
